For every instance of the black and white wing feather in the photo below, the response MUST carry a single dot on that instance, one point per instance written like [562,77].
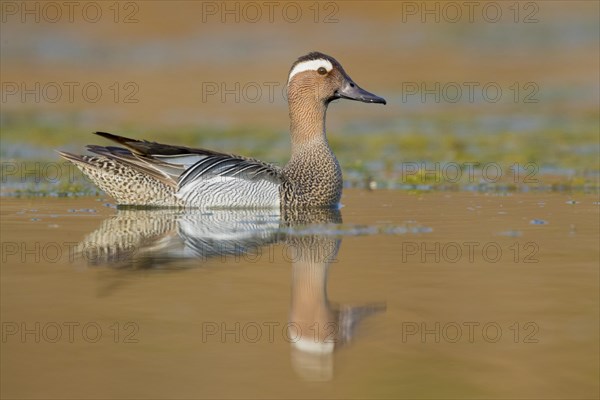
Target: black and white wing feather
[199,177]
[228,181]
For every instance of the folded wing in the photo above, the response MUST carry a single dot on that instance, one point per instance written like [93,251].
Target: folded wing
[201,178]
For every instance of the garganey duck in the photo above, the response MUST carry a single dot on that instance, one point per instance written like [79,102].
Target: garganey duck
[146,173]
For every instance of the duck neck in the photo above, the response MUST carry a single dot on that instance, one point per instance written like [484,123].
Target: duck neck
[313,169]
[307,125]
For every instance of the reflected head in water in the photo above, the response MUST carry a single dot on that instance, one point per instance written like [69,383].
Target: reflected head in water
[318,327]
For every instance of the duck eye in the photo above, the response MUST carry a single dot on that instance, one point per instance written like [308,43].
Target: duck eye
[322,71]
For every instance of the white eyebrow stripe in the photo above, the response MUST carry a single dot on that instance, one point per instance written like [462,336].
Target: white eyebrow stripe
[311,65]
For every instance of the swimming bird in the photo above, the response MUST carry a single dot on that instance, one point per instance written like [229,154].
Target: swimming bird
[143,173]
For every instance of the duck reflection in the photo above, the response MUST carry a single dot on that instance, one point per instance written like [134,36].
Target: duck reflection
[318,326]
[145,239]
[148,239]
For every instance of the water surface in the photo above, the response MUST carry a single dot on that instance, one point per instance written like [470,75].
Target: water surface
[401,295]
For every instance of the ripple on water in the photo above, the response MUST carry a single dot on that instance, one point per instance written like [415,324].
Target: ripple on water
[358,230]
[511,233]
[538,222]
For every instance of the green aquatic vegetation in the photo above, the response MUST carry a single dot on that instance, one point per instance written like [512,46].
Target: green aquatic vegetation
[564,151]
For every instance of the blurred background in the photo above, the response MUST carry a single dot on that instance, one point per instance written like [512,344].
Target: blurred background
[514,84]
[487,82]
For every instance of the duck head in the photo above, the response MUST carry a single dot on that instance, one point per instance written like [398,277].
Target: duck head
[322,78]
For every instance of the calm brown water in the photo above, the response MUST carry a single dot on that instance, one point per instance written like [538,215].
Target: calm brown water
[437,295]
